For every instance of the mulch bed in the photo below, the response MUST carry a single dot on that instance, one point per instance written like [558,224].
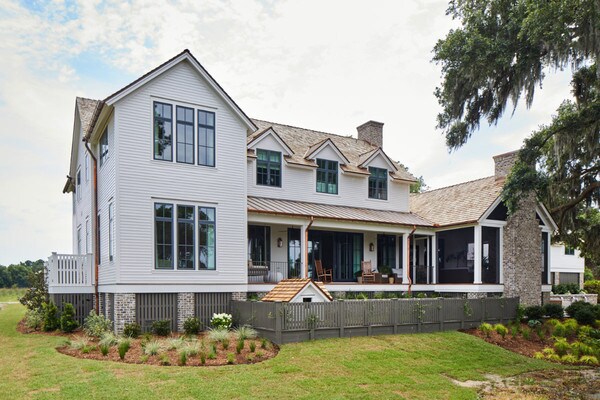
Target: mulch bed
[515,344]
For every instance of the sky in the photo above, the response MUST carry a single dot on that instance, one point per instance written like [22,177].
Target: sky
[326,65]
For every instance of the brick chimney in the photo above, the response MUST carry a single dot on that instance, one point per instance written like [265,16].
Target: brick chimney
[372,132]
[504,163]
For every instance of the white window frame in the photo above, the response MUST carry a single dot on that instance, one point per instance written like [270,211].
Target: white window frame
[79,239]
[111,231]
[87,236]
[87,167]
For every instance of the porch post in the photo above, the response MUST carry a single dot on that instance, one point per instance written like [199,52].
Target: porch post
[405,254]
[413,242]
[427,248]
[303,252]
[434,258]
[477,254]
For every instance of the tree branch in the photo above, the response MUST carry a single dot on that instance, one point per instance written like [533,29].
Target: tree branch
[584,193]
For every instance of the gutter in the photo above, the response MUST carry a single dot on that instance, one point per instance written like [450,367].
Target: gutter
[95,222]
[312,219]
[408,259]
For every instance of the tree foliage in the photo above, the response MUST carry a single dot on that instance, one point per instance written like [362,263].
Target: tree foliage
[500,55]
[17,275]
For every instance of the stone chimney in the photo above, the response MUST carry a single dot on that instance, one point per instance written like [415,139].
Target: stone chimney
[372,132]
[504,163]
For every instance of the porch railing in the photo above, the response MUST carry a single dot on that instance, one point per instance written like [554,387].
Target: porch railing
[272,271]
[70,270]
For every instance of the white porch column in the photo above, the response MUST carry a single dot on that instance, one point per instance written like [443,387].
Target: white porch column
[477,267]
[434,257]
[303,251]
[427,249]
[404,262]
[415,256]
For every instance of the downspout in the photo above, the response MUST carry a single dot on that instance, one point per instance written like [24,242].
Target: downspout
[312,219]
[95,222]
[408,259]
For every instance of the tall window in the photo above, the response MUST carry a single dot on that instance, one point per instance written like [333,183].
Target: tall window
[378,183]
[386,251]
[163,222]
[79,240]
[259,244]
[185,237]
[569,251]
[78,182]
[327,176]
[206,238]
[88,244]
[87,167]
[99,240]
[206,138]
[104,147]
[163,132]
[185,135]
[268,168]
[111,231]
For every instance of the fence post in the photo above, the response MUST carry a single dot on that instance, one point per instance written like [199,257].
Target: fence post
[441,313]
[462,314]
[341,308]
[482,310]
[419,315]
[395,303]
[278,321]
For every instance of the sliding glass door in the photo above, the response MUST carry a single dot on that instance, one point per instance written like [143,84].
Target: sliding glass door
[340,251]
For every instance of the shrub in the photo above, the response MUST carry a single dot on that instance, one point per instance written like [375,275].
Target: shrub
[230,358]
[260,354]
[571,327]
[245,332]
[221,321]
[51,321]
[132,330]
[520,313]
[96,325]
[250,357]
[213,348]
[589,360]
[202,358]
[192,326]
[548,351]
[152,348]
[161,327]
[212,355]
[87,349]
[78,344]
[263,343]
[534,312]
[552,310]
[569,359]
[576,306]
[240,346]
[175,344]
[104,349]
[566,288]
[164,360]
[538,355]
[182,358]
[534,323]
[37,295]
[109,339]
[559,330]
[144,358]
[501,330]
[592,286]
[561,346]
[124,345]
[582,349]
[67,319]
[526,334]
[252,347]
[585,316]
[225,343]
[486,328]
[218,335]
[34,319]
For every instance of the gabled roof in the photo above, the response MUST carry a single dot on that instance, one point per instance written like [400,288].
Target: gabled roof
[314,149]
[365,159]
[185,55]
[463,203]
[327,211]
[287,289]
[300,140]
[255,138]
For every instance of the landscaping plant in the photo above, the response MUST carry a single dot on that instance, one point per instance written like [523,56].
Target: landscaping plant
[34,319]
[164,360]
[96,325]
[221,321]
[37,295]
[486,329]
[534,313]
[202,358]
[218,335]
[104,349]
[592,286]
[152,348]
[501,330]
[161,327]
[252,347]
[182,358]
[245,332]
[240,346]
[192,326]
[230,358]
[51,321]
[67,319]
[132,330]
[561,346]
[124,345]
[108,339]
[566,288]
[552,310]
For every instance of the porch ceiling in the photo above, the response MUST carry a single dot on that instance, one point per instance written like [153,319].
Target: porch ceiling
[326,211]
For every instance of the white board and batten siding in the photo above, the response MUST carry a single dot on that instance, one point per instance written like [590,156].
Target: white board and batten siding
[300,184]
[561,262]
[144,181]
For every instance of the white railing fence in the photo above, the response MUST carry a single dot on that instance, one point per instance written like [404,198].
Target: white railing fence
[70,270]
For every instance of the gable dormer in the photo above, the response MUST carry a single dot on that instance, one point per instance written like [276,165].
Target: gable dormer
[327,150]
[268,139]
[377,158]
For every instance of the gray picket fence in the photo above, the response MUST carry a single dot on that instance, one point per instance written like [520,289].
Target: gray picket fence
[83,303]
[297,322]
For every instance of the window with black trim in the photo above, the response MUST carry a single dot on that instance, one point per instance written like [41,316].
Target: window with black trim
[268,168]
[569,251]
[104,147]
[206,238]
[327,176]
[163,131]
[378,181]
[185,135]
[206,138]
[185,237]
[163,222]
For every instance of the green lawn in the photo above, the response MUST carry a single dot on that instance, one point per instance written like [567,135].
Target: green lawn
[11,294]
[401,366]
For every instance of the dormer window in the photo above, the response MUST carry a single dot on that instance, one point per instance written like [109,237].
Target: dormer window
[327,176]
[268,168]
[378,183]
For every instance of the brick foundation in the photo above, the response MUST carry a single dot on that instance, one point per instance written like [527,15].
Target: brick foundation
[239,296]
[124,310]
[185,308]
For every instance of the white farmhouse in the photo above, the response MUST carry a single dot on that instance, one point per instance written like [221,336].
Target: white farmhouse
[567,265]
[181,202]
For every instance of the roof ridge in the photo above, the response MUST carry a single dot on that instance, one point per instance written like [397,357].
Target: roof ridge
[456,184]
[312,130]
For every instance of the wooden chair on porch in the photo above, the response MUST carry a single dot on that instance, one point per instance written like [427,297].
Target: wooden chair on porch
[367,272]
[323,274]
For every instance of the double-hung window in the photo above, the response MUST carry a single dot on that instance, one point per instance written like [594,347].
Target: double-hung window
[327,176]
[185,135]
[88,244]
[111,231]
[104,147]
[163,131]
[163,225]
[206,238]
[185,237]
[378,181]
[78,184]
[268,168]
[206,138]
[569,251]
[79,249]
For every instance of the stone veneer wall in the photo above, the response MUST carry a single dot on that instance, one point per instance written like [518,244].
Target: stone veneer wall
[185,308]
[503,163]
[371,132]
[124,310]
[522,254]
[107,305]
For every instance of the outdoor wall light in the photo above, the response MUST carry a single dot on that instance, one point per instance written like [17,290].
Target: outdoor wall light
[279,242]
[371,247]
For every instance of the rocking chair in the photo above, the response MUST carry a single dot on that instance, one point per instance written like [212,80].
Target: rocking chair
[323,274]
[367,272]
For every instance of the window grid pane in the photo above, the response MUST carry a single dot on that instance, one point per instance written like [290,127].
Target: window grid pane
[378,183]
[206,138]
[206,238]
[185,237]
[327,176]
[163,215]
[163,132]
[185,135]
[268,168]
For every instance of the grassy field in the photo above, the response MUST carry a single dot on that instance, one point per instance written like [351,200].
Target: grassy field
[11,294]
[384,367]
